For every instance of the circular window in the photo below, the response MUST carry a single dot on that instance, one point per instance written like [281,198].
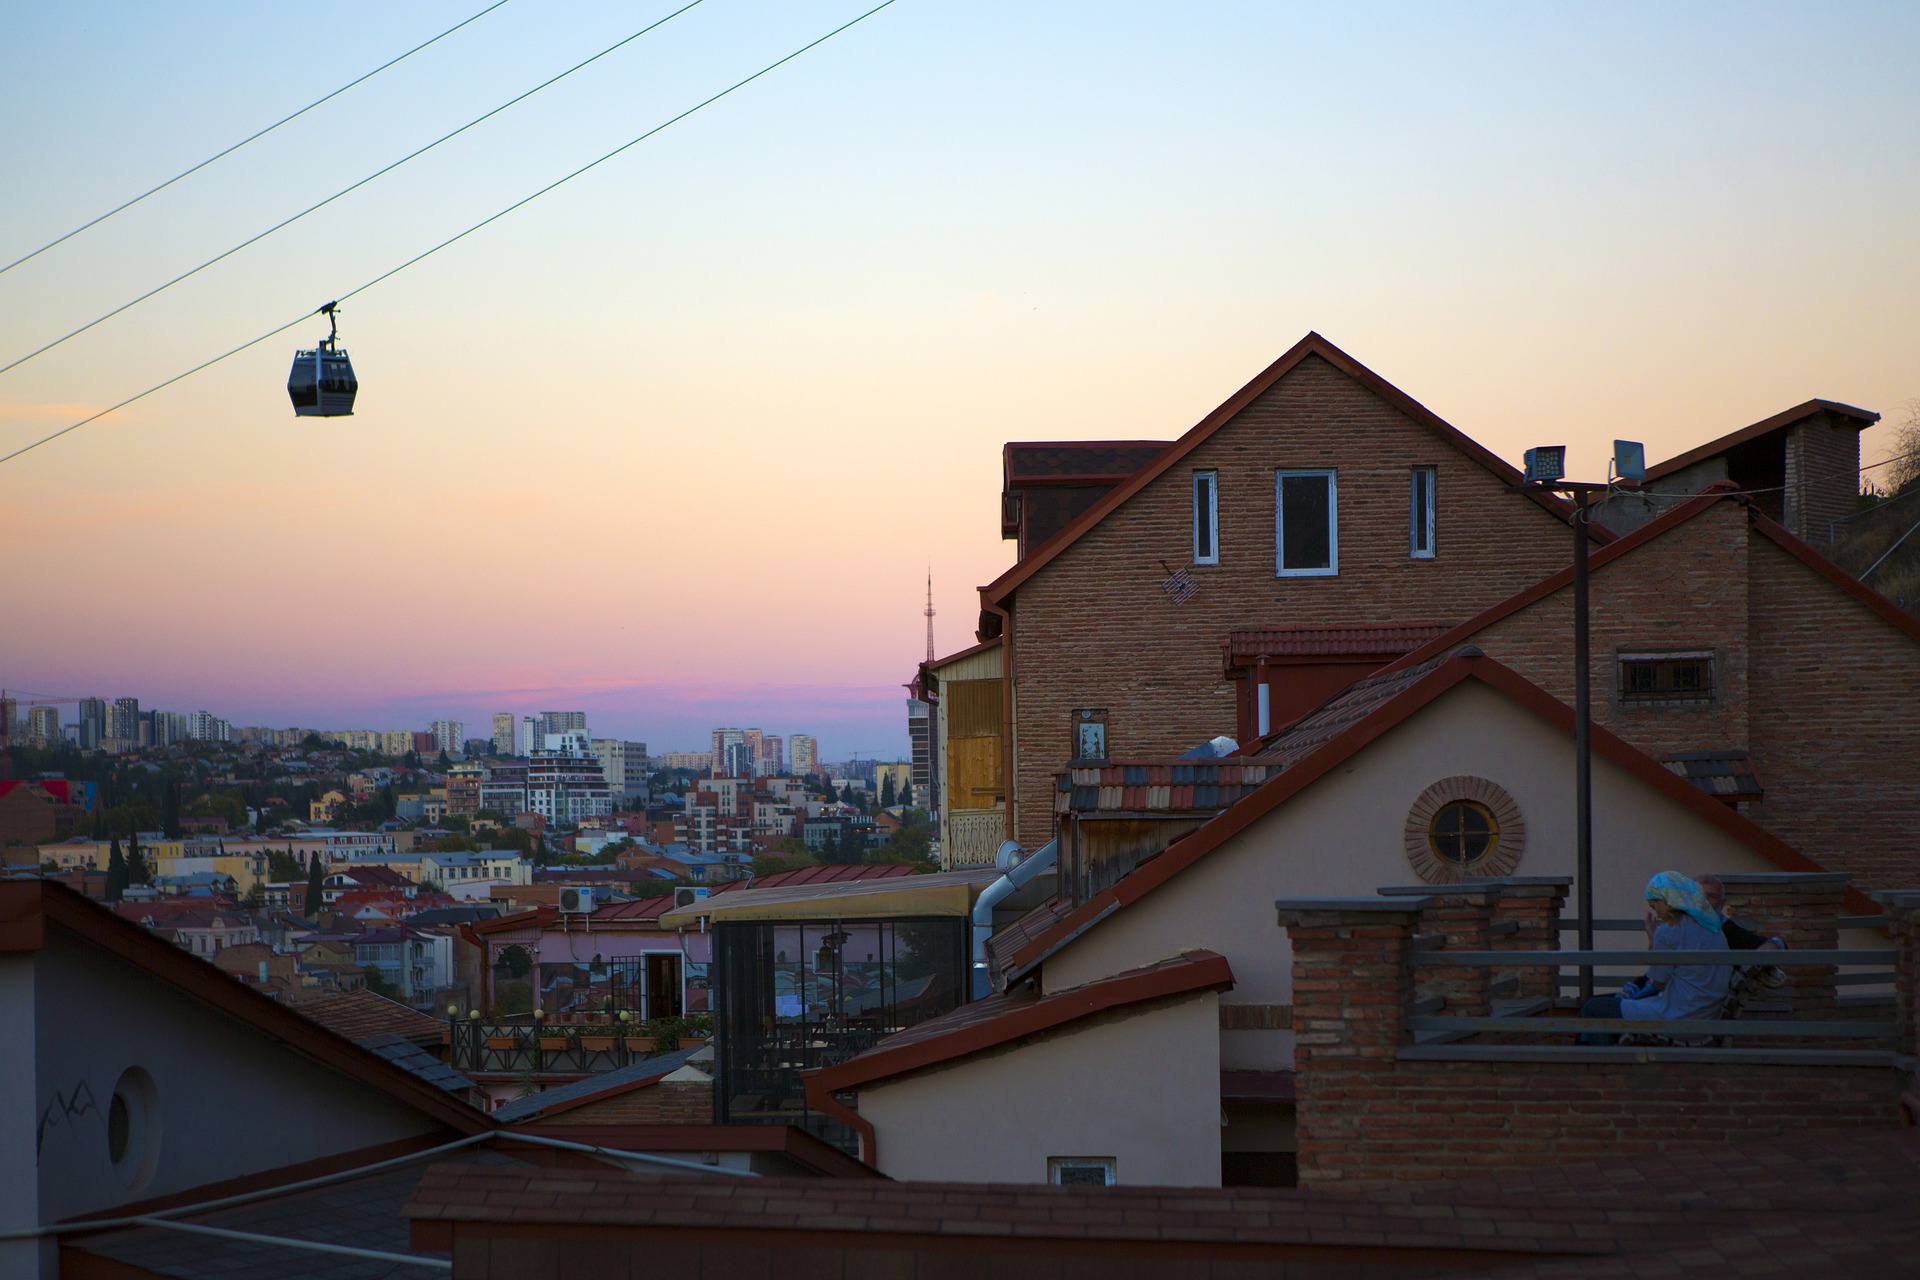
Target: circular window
[133,1128]
[1463,832]
[1464,828]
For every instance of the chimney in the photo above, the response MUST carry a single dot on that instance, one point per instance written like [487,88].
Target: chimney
[1822,475]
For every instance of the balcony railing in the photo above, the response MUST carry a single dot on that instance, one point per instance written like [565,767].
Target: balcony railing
[974,836]
[520,1048]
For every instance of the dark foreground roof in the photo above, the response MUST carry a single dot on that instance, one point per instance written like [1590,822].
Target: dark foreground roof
[593,1088]
[1833,1205]
[403,1052]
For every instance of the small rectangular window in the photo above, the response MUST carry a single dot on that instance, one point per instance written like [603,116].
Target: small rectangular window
[1206,517]
[1080,1171]
[1666,677]
[1420,515]
[1306,524]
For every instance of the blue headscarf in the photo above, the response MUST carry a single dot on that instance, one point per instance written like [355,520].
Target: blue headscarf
[1682,894]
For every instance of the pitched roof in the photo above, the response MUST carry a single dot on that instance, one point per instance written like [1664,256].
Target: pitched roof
[1727,774]
[1007,1016]
[359,1015]
[1322,740]
[1311,345]
[826,873]
[1858,419]
[607,1084]
[1143,785]
[1311,643]
[30,908]
[403,1052]
[1024,462]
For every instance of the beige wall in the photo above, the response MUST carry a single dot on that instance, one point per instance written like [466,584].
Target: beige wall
[1342,836]
[1143,1088]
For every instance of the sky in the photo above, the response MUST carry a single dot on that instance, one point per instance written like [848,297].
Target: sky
[679,442]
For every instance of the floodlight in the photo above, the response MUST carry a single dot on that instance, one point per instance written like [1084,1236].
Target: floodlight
[1546,463]
[1629,460]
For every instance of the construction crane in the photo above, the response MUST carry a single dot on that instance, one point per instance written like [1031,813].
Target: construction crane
[9,699]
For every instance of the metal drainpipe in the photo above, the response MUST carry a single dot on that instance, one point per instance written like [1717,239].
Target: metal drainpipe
[1021,874]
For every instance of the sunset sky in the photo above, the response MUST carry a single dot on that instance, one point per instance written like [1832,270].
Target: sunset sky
[678,443]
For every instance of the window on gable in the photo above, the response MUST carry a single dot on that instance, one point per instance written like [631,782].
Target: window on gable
[1306,528]
[1420,514]
[1206,517]
[1666,677]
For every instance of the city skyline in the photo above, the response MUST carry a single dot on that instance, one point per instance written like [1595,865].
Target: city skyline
[838,381]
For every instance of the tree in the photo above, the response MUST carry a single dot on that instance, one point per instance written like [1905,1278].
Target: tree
[1905,468]
[283,867]
[886,791]
[137,869]
[906,793]
[832,796]
[170,811]
[316,880]
[116,872]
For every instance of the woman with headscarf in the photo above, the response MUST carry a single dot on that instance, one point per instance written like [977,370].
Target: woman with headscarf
[1672,991]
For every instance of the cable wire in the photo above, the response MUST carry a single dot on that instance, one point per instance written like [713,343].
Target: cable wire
[287,222]
[385,275]
[249,138]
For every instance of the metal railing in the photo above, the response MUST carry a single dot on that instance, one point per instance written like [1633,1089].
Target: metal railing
[1769,1031]
[516,1048]
[974,836]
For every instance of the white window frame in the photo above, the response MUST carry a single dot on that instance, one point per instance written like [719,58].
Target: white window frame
[1206,496]
[1106,1164]
[1332,477]
[1419,530]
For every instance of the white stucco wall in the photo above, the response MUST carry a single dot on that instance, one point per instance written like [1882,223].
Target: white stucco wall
[1143,1088]
[1342,836]
[232,1101]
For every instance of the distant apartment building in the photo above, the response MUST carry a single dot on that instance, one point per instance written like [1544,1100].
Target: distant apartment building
[463,790]
[625,766]
[804,754]
[423,743]
[124,722]
[737,762]
[723,741]
[449,736]
[560,722]
[93,722]
[697,761]
[503,790]
[920,743]
[503,733]
[43,726]
[205,727]
[565,784]
[773,756]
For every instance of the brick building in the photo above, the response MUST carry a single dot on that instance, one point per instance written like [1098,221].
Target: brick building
[1318,494]
[1741,657]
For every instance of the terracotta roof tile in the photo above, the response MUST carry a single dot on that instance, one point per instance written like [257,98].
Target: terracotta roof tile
[1327,641]
[359,1015]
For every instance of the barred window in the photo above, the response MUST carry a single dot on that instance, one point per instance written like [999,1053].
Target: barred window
[1666,677]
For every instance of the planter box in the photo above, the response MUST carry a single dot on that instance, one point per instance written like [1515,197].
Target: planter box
[640,1044]
[688,1042]
[503,1042]
[551,1043]
[597,1044]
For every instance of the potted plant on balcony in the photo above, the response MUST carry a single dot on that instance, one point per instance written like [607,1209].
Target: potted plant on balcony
[550,1038]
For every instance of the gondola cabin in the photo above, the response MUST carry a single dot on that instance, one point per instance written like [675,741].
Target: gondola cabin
[322,384]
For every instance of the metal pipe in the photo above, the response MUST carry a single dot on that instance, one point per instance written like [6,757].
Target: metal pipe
[1016,877]
[1582,735]
[293,1242]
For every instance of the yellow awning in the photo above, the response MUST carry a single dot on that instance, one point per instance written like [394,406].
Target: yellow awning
[949,893]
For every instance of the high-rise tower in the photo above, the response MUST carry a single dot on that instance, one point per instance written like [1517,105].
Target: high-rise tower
[930,653]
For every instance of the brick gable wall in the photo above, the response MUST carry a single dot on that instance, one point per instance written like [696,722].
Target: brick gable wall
[1687,589]
[1094,629]
[1836,726]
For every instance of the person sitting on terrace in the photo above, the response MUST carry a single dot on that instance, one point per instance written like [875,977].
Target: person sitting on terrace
[1682,921]
[1739,937]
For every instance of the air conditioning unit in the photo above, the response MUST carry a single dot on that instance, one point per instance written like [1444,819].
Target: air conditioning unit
[687,897]
[576,902]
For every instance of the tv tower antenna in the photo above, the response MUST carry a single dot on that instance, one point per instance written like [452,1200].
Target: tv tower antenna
[930,653]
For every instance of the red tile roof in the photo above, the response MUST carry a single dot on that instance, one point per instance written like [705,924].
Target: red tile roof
[359,1014]
[1136,786]
[827,873]
[1243,648]
[1009,1016]
[1075,461]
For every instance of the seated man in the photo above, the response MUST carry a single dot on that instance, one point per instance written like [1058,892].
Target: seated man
[1739,937]
[1682,922]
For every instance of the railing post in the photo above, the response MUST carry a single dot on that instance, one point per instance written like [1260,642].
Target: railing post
[1804,910]
[1532,905]
[1463,915]
[1903,922]
[1352,995]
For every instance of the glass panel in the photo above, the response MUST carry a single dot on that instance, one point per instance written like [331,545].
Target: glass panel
[1422,532]
[1306,530]
[1205,487]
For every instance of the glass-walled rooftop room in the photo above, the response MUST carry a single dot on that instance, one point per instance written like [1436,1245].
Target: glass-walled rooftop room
[801,994]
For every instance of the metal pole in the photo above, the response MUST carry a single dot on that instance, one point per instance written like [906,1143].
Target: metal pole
[1582,738]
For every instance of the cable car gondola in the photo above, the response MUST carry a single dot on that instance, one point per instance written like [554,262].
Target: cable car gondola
[322,384]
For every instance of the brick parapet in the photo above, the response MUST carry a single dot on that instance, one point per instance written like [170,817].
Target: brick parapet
[1461,915]
[1903,922]
[1533,905]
